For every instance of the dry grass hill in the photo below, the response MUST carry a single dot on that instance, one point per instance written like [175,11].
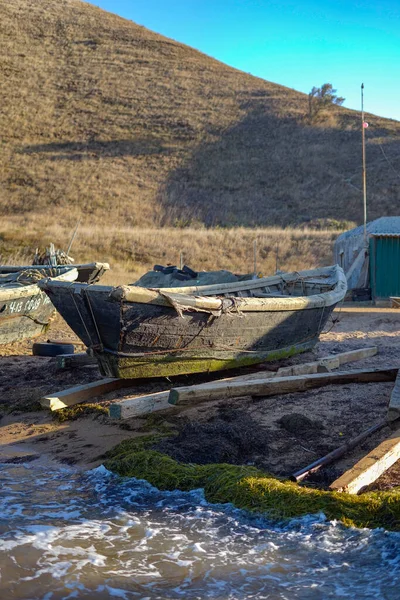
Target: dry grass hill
[102,116]
[105,120]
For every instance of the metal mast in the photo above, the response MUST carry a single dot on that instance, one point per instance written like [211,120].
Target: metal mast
[364,172]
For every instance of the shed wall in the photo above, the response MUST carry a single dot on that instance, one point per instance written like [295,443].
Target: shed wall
[385,266]
[346,250]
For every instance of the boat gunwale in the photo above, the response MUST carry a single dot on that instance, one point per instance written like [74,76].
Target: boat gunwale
[33,289]
[184,298]
[16,268]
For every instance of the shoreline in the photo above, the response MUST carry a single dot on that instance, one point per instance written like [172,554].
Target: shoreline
[248,434]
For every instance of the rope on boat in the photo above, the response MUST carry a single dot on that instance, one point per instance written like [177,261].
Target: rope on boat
[36,320]
[93,317]
[31,276]
[80,315]
[93,345]
[334,321]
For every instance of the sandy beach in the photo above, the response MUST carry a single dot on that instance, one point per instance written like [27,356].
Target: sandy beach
[279,434]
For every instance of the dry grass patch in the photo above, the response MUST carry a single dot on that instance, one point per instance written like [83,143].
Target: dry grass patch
[132,251]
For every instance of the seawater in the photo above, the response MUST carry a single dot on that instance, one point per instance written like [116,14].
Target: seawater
[70,534]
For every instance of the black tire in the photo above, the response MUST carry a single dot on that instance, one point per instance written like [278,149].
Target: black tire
[49,349]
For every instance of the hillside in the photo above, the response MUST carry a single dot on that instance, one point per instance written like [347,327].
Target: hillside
[102,117]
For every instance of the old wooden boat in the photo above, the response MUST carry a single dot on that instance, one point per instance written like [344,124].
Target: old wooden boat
[25,310]
[140,332]
[87,272]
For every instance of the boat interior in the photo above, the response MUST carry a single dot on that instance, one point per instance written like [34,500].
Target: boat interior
[283,285]
[12,278]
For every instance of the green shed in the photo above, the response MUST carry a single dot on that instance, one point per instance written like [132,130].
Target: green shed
[372,269]
[384,262]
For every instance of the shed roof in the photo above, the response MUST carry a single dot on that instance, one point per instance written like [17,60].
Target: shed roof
[381,226]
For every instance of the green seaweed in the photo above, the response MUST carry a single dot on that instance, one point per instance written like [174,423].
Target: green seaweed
[251,489]
[155,421]
[79,410]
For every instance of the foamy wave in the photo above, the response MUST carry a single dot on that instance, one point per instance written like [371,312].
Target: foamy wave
[67,534]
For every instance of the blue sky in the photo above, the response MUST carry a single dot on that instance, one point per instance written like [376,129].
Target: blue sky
[299,44]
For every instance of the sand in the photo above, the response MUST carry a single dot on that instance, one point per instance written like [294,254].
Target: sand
[279,434]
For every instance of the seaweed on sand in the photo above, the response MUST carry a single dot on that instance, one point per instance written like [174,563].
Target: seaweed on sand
[252,489]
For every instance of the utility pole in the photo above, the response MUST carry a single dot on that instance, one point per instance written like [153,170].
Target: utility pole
[364,172]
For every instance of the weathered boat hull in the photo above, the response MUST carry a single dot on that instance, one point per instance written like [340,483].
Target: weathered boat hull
[26,311]
[163,343]
[160,335]
[25,317]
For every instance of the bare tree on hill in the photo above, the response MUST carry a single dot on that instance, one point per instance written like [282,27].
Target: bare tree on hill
[322,98]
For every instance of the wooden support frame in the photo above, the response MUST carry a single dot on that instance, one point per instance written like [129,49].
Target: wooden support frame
[69,361]
[276,385]
[138,405]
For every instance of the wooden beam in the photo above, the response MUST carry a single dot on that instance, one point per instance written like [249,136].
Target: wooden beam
[139,405]
[80,393]
[394,403]
[276,385]
[369,468]
[359,354]
[395,302]
[330,362]
[80,359]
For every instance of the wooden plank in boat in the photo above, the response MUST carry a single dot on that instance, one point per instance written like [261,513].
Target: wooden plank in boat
[369,468]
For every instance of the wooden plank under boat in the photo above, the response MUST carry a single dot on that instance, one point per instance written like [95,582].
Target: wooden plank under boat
[140,332]
[25,310]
